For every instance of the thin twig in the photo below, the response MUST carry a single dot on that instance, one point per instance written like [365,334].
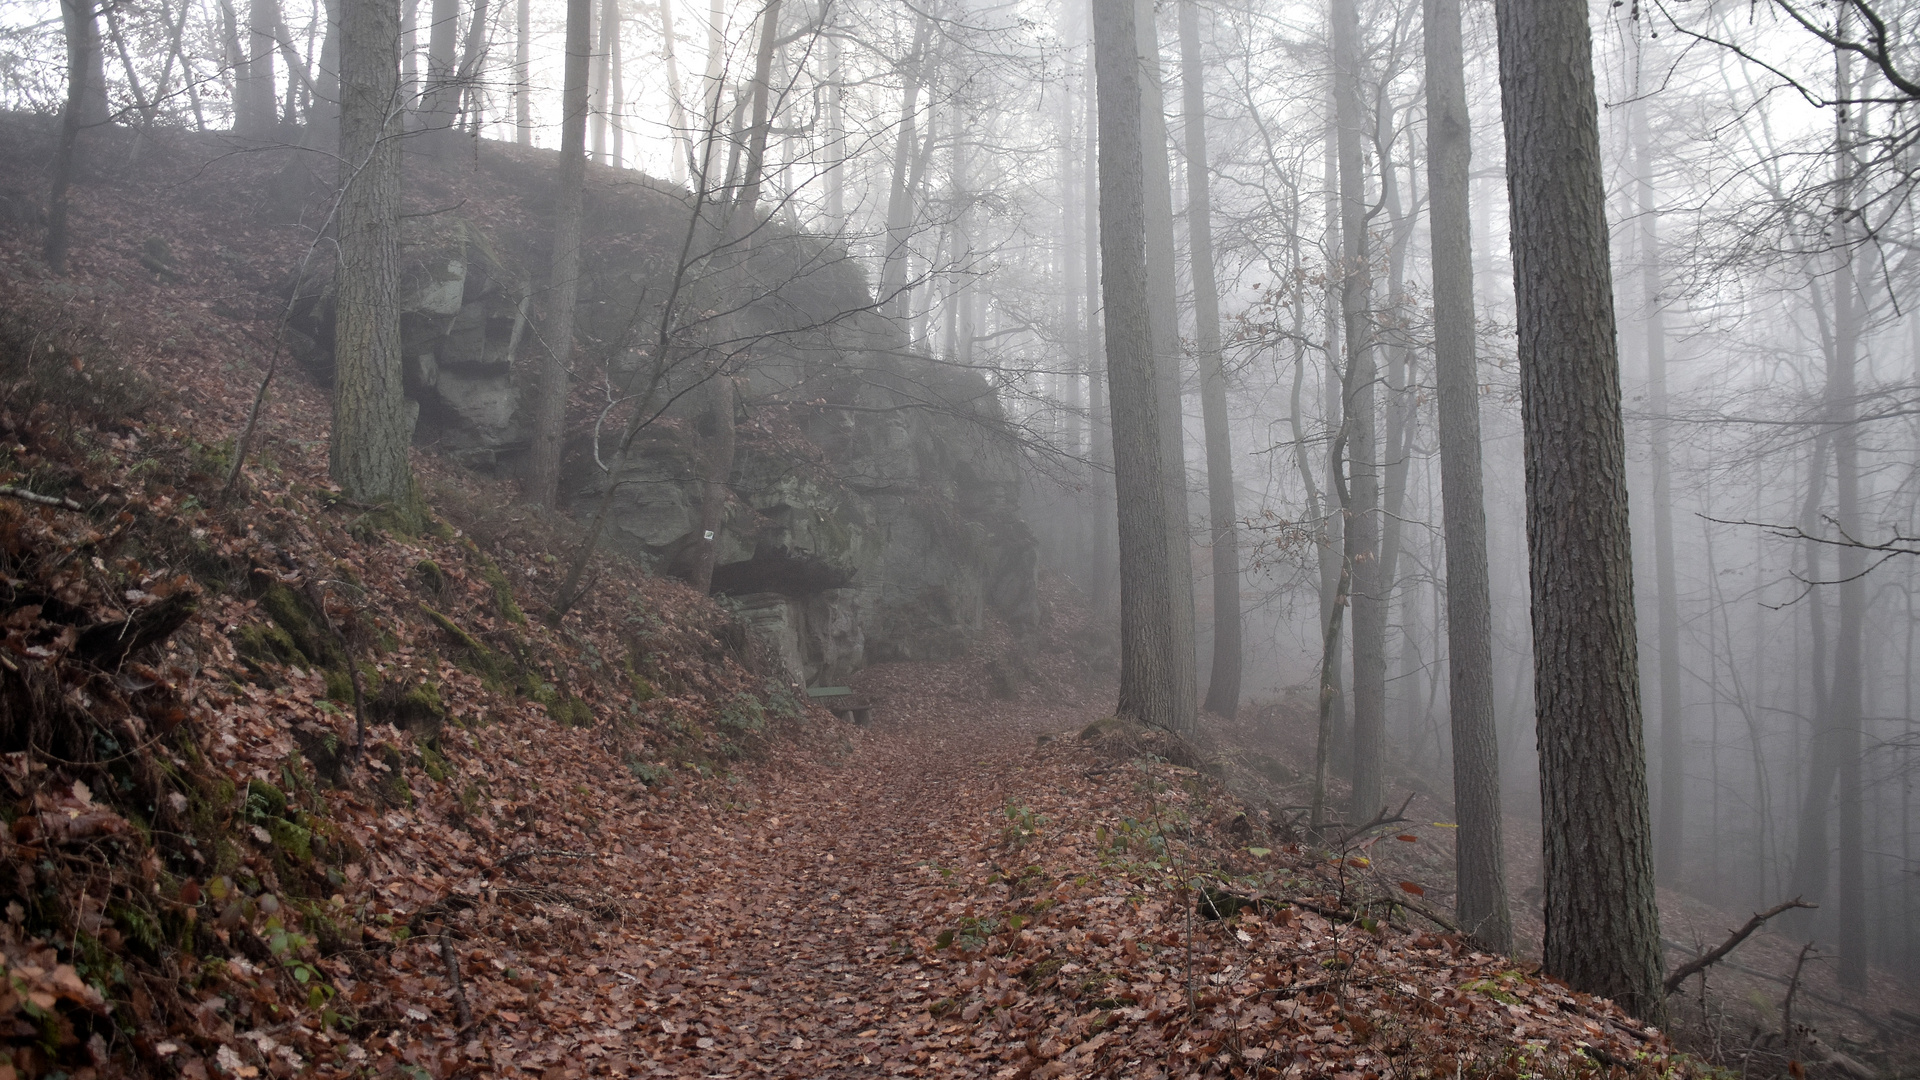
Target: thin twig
[1379,819]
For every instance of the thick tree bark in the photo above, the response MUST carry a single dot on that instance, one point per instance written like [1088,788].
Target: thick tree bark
[1164,321]
[367,448]
[554,367]
[1156,666]
[1670,826]
[1479,865]
[1223,684]
[1368,594]
[1602,927]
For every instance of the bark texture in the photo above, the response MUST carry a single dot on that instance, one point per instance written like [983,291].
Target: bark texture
[555,361]
[367,448]
[1155,686]
[1223,683]
[1602,928]
[1481,905]
[1164,324]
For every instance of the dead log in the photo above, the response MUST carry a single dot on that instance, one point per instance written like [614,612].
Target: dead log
[1707,959]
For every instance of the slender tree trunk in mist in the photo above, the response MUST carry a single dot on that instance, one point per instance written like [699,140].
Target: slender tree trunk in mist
[367,446]
[1479,865]
[1164,321]
[86,107]
[1669,837]
[555,361]
[1602,926]
[467,79]
[1156,663]
[1842,416]
[1813,843]
[1100,436]
[437,105]
[523,73]
[1330,742]
[599,79]
[682,151]
[261,44]
[836,179]
[1223,685]
[893,270]
[1368,591]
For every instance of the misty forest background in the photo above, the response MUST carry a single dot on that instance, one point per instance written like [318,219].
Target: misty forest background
[1763,236]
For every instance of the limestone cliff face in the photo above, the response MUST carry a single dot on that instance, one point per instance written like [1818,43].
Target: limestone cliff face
[873,510]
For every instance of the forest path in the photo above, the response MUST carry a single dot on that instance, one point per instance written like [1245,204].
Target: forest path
[777,934]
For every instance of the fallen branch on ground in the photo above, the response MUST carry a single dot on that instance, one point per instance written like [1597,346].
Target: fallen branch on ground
[24,495]
[1379,819]
[1704,960]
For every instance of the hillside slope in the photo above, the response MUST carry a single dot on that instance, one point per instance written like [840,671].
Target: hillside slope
[290,793]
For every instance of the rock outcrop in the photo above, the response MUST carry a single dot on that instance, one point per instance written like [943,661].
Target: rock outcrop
[873,508]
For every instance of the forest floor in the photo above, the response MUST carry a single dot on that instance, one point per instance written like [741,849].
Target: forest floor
[611,846]
[968,889]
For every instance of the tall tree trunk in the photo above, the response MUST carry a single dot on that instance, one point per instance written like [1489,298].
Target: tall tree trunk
[1670,832]
[1602,927]
[1479,865]
[1164,321]
[1156,666]
[473,59]
[1813,846]
[1330,738]
[261,45]
[523,73]
[440,100]
[367,447]
[85,108]
[893,269]
[1368,591]
[551,384]
[682,150]
[1223,684]
[1105,571]
[1842,417]
[603,103]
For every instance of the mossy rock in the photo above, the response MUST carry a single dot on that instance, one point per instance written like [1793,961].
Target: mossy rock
[496,578]
[569,711]
[265,643]
[498,672]
[432,578]
[265,801]
[303,626]
[393,787]
[414,707]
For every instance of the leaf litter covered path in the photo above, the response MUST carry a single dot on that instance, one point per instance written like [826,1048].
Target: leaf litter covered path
[940,896]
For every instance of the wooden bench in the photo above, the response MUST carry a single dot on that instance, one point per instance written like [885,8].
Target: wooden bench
[841,701]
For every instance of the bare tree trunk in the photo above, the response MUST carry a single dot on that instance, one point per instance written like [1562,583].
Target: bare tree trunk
[893,270]
[1164,321]
[1602,927]
[523,74]
[1368,595]
[1223,684]
[86,107]
[1105,572]
[1842,415]
[261,44]
[1479,865]
[1333,531]
[439,102]
[550,390]
[473,58]
[1669,836]
[367,447]
[682,151]
[1156,665]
